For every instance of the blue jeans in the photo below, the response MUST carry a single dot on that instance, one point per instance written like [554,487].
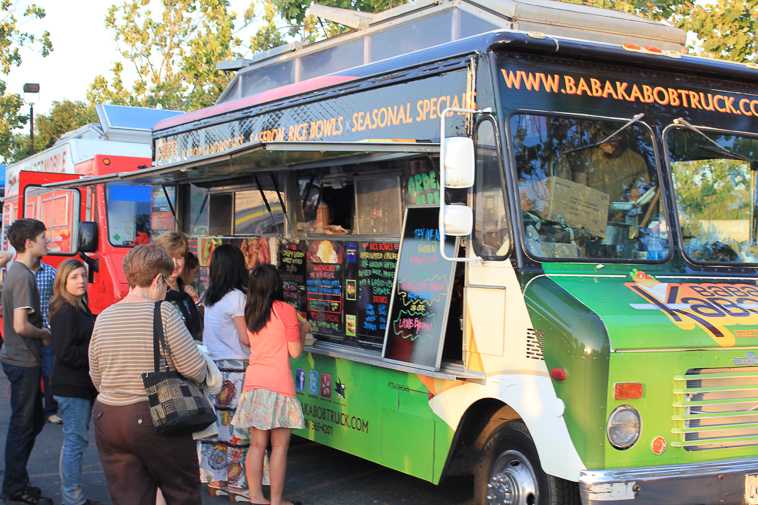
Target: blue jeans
[26,421]
[48,362]
[76,415]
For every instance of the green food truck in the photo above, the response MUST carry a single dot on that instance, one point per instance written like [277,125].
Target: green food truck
[524,257]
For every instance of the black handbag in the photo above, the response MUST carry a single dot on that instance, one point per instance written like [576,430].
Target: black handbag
[177,405]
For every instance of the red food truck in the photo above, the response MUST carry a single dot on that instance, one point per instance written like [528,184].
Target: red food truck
[100,222]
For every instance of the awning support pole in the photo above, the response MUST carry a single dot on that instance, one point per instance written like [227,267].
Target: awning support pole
[171,206]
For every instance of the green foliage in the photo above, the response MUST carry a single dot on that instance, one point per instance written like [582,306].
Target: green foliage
[725,29]
[63,117]
[284,20]
[13,38]
[728,29]
[173,49]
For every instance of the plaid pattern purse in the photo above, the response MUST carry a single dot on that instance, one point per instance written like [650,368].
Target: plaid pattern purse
[177,405]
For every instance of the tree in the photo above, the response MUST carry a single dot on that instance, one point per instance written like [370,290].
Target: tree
[63,117]
[725,29]
[12,39]
[174,51]
[293,13]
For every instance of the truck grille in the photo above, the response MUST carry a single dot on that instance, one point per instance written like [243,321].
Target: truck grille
[716,408]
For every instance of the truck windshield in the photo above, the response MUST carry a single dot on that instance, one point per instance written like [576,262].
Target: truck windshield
[583,199]
[137,213]
[715,193]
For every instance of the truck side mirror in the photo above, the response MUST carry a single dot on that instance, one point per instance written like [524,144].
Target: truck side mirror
[458,162]
[459,220]
[87,236]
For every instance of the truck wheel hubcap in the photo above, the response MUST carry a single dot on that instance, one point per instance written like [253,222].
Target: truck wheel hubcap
[512,481]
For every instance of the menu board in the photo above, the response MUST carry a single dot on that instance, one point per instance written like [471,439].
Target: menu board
[421,295]
[376,273]
[292,271]
[323,286]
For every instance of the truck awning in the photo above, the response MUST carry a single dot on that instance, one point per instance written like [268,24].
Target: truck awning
[84,181]
[263,157]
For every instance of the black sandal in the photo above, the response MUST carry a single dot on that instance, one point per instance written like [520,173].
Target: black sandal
[28,497]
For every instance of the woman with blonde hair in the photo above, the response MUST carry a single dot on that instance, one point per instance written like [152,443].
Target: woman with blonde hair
[175,245]
[71,324]
[136,458]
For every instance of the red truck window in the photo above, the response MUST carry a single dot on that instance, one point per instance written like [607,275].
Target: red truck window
[57,208]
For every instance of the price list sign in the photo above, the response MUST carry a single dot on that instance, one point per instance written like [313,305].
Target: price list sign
[376,273]
[323,285]
[292,271]
[421,296]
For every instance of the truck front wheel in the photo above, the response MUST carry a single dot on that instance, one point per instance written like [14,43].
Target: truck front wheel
[509,472]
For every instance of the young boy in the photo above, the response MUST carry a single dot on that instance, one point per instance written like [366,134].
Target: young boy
[21,359]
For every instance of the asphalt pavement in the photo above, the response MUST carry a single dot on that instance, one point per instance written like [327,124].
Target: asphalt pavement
[316,475]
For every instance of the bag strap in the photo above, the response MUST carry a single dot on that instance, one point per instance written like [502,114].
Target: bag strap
[159,339]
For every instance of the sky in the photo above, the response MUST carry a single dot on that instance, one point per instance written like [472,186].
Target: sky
[82,49]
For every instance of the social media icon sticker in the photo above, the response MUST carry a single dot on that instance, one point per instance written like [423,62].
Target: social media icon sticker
[299,380]
[313,383]
[326,385]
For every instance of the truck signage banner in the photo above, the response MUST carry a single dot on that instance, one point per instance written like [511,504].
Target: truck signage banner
[408,111]
[569,86]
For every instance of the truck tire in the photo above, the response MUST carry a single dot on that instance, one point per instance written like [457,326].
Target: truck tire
[509,473]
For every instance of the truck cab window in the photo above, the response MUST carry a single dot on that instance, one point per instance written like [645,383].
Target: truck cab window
[715,194]
[137,213]
[59,210]
[587,193]
[490,236]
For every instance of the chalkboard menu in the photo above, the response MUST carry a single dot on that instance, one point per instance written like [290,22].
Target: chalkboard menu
[421,295]
[292,271]
[375,276]
[323,286]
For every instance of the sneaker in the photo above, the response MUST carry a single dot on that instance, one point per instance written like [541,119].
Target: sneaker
[54,419]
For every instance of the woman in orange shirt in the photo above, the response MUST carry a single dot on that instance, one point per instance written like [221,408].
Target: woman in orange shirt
[268,405]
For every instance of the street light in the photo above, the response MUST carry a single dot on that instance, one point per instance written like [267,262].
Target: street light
[31,88]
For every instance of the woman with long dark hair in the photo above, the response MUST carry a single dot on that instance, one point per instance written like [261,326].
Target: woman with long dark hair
[223,326]
[71,323]
[268,406]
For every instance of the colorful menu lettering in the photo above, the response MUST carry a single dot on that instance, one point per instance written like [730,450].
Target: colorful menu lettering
[292,271]
[374,284]
[421,296]
[324,291]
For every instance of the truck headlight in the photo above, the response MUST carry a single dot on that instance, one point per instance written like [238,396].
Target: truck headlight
[624,427]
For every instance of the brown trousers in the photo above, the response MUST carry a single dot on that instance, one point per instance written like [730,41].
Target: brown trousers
[137,460]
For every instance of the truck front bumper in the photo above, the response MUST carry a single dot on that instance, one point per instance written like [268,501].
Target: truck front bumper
[711,483]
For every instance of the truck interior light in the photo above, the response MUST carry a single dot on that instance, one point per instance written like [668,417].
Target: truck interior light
[559,374]
[106,161]
[632,47]
[628,391]
[653,49]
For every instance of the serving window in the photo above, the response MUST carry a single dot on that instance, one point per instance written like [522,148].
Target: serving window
[350,204]
[259,209]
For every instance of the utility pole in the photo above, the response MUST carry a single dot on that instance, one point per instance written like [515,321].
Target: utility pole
[31,128]
[31,88]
